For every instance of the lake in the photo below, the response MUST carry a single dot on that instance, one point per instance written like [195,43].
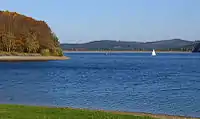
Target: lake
[168,83]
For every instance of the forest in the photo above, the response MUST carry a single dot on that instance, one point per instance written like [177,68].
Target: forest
[22,34]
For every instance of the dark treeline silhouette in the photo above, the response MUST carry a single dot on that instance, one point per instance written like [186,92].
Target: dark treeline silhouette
[162,45]
[19,33]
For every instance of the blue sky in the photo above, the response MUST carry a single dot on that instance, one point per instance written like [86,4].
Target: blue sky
[77,21]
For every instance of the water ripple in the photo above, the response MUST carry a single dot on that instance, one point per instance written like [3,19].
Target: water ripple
[168,83]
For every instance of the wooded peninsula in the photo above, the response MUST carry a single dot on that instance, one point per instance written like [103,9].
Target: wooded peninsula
[24,36]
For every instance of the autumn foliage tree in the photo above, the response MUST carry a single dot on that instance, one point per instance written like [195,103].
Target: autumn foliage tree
[19,33]
[31,44]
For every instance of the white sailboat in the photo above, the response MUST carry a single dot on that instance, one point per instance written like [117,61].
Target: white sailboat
[153,53]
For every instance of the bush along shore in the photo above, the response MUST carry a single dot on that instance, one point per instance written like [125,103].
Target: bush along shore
[24,36]
[8,111]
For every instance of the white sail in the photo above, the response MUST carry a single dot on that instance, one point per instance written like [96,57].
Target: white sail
[153,53]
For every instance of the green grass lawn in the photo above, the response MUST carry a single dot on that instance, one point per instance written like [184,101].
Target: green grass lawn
[36,112]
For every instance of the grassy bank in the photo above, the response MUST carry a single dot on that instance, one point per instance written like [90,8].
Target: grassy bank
[34,112]
[8,111]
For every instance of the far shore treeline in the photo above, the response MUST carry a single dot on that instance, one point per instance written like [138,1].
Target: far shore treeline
[112,45]
[21,34]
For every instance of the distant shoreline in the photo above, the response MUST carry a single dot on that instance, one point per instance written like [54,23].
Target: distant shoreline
[31,58]
[127,51]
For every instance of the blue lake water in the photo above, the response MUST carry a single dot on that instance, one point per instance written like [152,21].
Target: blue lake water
[168,83]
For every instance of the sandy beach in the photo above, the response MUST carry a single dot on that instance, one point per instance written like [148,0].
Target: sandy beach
[30,58]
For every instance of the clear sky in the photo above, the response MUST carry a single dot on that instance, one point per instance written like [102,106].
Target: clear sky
[126,20]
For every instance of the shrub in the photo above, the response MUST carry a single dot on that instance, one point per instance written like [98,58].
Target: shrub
[57,52]
[45,52]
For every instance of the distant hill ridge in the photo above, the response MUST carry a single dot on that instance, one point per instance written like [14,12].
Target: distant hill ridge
[173,44]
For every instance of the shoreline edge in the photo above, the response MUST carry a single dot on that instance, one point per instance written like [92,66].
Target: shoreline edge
[31,58]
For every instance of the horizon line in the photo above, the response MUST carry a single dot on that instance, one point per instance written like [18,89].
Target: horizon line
[130,41]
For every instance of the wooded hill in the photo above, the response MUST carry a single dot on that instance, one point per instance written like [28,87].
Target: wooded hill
[163,45]
[22,34]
